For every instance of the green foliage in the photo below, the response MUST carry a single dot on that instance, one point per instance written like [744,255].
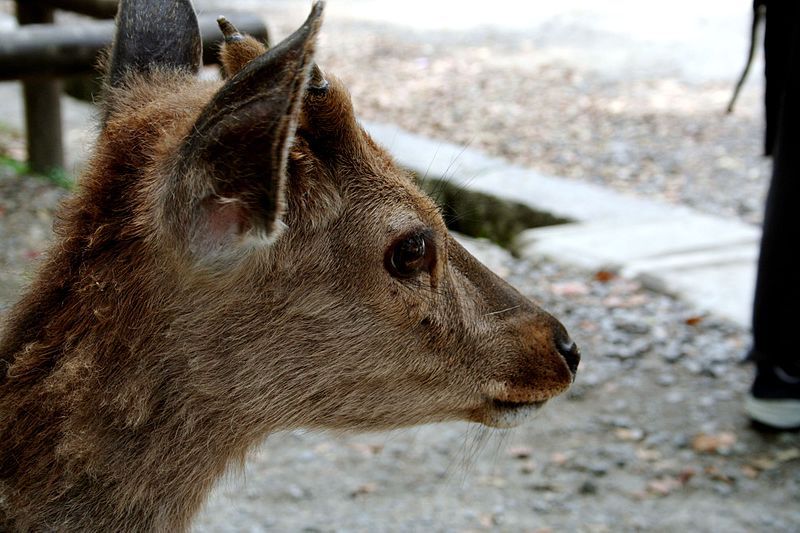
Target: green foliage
[58,176]
[17,167]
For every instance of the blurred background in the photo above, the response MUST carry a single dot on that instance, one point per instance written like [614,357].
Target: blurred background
[605,123]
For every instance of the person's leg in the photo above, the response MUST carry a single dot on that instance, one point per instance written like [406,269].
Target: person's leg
[777,64]
[775,396]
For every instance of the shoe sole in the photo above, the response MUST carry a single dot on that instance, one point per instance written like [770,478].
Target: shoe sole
[781,414]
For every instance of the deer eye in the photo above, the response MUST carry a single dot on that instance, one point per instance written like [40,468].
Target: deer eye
[410,255]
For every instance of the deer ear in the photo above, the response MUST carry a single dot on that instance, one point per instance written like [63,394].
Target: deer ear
[154,34]
[239,144]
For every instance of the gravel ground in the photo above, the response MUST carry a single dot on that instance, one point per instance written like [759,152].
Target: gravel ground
[651,437]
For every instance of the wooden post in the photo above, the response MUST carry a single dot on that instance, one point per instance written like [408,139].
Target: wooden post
[42,105]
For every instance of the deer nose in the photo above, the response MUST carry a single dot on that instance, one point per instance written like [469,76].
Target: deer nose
[570,352]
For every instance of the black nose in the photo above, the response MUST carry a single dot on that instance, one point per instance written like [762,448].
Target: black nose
[572,355]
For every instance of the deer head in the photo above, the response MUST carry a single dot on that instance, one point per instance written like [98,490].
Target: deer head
[242,258]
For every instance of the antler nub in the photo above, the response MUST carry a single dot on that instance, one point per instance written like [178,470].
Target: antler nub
[237,49]
[317,84]
[229,30]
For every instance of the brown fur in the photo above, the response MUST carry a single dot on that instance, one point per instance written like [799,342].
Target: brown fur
[134,370]
[237,50]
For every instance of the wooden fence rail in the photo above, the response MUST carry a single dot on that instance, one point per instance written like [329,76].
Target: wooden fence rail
[46,51]
[39,53]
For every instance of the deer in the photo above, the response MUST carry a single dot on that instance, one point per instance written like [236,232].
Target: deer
[240,258]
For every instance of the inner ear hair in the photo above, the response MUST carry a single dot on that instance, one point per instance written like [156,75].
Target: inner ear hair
[232,164]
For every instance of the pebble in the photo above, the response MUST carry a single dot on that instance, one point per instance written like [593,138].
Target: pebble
[665,380]
[637,347]
[695,367]
[674,397]
[297,492]
[671,352]
[633,326]
[659,438]
[723,489]
[617,421]
[587,488]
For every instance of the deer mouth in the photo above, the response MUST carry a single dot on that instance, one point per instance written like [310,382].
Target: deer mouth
[508,414]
